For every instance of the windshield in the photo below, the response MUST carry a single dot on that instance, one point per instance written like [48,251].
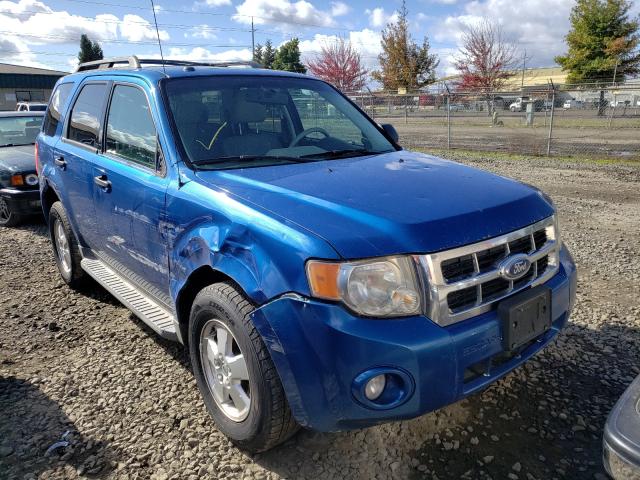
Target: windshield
[19,130]
[240,121]
[37,108]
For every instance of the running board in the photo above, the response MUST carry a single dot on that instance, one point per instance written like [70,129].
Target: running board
[149,311]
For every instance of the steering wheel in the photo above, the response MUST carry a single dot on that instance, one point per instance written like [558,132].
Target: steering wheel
[306,132]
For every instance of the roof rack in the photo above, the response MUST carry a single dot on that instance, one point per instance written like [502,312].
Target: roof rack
[135,62]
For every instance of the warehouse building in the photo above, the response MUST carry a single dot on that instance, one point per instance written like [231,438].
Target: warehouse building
[25,84]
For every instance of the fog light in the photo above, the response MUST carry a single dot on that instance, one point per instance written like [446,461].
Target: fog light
[375,387]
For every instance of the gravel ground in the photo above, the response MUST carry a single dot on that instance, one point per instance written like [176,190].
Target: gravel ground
[80,363]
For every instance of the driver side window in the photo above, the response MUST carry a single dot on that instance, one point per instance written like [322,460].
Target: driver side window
[315,111]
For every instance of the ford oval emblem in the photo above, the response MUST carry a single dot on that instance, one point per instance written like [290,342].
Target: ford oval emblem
[514,267]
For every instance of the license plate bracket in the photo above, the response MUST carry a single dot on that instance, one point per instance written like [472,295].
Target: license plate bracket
[525,316]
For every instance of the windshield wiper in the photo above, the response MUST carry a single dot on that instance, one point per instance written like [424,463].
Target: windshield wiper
[246,159]
[333,154]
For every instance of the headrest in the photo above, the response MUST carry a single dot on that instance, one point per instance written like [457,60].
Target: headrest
[245,111]
[190,112]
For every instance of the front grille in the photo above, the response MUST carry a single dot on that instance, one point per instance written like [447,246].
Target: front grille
[466,281]
[457,268]
[462,298]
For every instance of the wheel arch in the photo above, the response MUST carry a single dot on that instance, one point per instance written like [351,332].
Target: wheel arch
[198,279]
[48,197]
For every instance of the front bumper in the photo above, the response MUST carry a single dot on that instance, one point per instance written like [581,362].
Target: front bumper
[22,202]
[621,443]
[320,348]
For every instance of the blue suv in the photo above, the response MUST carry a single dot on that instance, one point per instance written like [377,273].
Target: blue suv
[320,275]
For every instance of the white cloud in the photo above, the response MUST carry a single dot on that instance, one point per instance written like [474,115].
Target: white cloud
[135,28]
[366,42]
[378,18]
[202,54]
[217,3]
[23,9]
[339,9]
[14,50]
[528,24]
[283,12]
[48,26]
[202,31]
[31,22]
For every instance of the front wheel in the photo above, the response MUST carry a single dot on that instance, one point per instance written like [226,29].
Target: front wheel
[8,218]
[234,371]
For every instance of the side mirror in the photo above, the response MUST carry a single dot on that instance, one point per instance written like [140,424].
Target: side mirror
[390,131]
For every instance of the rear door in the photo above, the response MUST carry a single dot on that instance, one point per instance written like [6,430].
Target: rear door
[129,191]
[75,153]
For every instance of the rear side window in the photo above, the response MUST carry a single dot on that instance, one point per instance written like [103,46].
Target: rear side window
[131,133]
[57,103]
[86,115]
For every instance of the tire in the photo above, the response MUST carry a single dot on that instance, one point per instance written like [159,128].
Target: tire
[267,420]
[7,217]
[67,257]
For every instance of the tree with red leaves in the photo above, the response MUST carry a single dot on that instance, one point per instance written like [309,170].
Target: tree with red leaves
[339,64]
[485,60]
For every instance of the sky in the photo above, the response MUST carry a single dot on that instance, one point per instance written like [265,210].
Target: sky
[45,33]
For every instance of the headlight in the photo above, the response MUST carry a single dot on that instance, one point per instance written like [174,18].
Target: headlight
[31,179]
[382,287]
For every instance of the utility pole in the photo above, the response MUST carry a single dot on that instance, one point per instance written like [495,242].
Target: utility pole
[253,40]
[524,66]
[553,108]
[615,71]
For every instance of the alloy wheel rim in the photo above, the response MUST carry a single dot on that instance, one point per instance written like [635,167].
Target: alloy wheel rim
[225,370]
[5,213]
[62,246]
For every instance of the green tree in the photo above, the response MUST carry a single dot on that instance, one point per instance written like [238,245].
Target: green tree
[268,54]
[288,57]
[404,63]
[602,42]
[257,54]
[89,50]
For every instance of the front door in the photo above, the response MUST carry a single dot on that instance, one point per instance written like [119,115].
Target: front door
[129,193]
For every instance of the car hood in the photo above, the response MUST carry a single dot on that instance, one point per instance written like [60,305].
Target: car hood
[399,202]
[17,159]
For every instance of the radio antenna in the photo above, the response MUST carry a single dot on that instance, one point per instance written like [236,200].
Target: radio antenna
[155,21]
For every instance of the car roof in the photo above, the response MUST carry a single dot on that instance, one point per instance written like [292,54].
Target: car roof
[156,72]
[32,103]
[21,114]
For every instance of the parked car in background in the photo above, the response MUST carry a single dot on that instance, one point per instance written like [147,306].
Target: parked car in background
[519,105]
[620,103]
[622,436]
[19,193]
[572,103]
[319,274]
[31,107]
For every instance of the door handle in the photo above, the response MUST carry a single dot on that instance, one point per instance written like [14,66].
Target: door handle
[60,162]
[102,182]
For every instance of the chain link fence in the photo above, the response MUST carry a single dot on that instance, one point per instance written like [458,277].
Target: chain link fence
[590,121]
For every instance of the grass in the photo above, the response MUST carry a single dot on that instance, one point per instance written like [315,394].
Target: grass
[476,154]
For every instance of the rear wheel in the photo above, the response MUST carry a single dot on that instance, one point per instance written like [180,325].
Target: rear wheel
[65,247]
[7,217]
[234,371]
